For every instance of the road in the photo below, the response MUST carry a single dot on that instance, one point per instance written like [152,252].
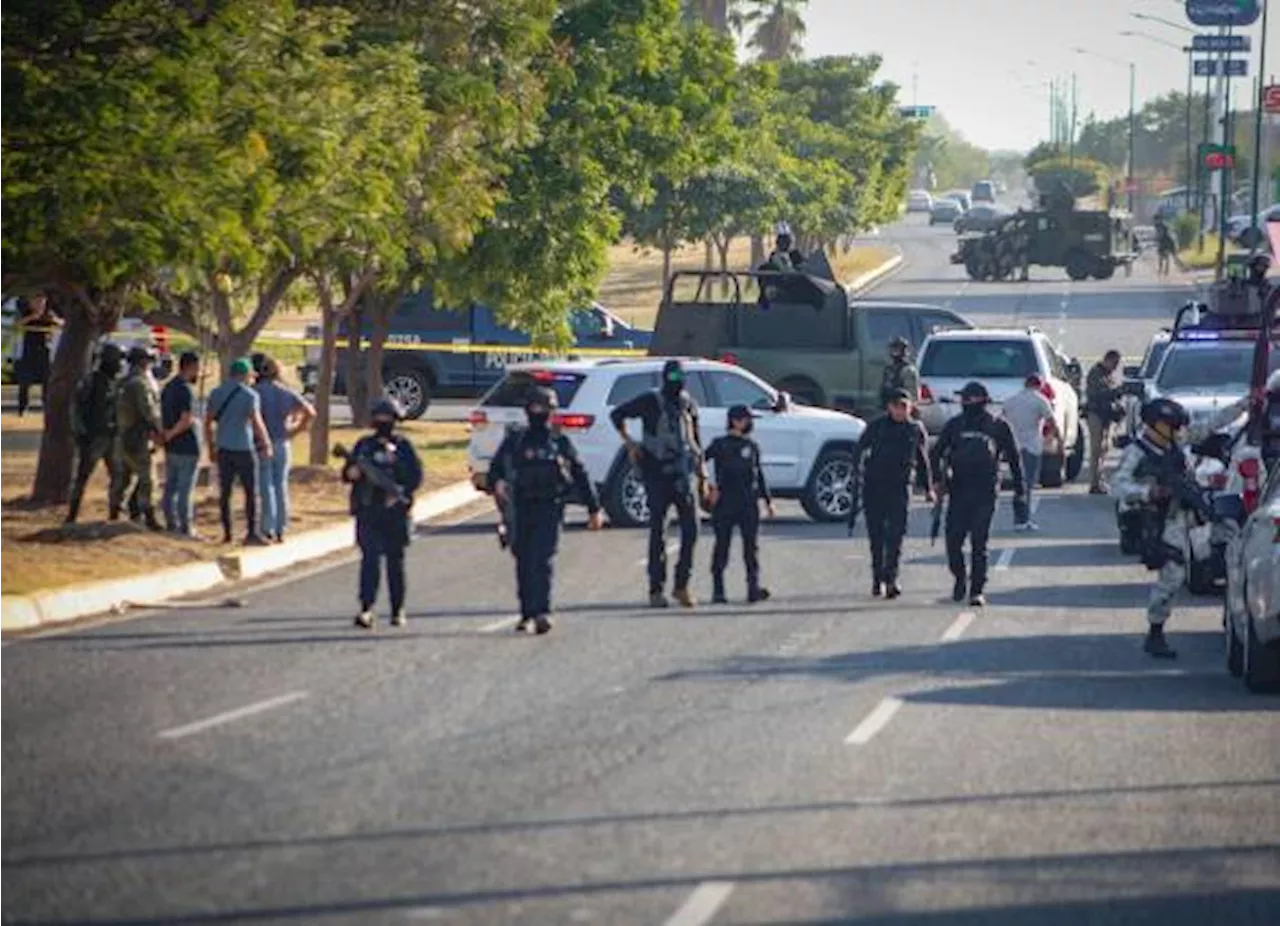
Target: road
[823,757]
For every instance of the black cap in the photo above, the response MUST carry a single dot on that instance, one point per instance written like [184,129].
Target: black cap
[974,391]
[738,413]
[140,354]
[898,395]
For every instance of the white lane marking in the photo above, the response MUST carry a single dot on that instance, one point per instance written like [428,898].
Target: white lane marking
[958,626]
[506,623]
[1035,504]
[428,913]
[874,722]
[700,906]
[228,716]
[1006,557]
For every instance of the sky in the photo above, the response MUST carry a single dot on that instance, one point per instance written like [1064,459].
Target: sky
[986,64]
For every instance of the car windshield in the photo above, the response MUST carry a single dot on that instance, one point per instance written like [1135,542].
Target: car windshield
[1222,366]
[978,359]
[513,389]
[1155,353]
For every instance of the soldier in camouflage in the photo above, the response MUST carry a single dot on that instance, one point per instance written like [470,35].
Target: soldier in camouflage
[137,424]
[93,423]
[899,373]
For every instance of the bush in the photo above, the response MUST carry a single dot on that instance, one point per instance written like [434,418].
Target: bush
[1185,229]
[1083,177]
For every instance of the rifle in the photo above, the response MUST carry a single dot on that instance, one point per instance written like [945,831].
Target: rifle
[507,509]
[936,526]
[373,476]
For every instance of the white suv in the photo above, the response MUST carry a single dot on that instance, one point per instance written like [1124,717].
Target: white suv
[807,452]
[1001,359]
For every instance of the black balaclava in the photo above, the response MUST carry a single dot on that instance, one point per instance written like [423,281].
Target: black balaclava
[539,416]
[672,379]
[383,428]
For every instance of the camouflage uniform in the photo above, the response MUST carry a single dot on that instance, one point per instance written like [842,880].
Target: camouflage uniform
[93,423]
[137,419]
[899,375]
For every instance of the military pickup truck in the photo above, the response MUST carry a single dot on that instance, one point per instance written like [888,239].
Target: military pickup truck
[802,332]
[1084,243]
[435,351]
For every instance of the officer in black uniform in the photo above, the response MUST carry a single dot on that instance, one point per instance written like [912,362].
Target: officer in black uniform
[384,472]
[966,463]
[735,502]
[533,470]
[670,461]
[894,446]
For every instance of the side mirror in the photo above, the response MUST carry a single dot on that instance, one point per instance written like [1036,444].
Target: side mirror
[1131,371]
[784,402]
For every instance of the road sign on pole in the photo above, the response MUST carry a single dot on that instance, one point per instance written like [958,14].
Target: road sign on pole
[1223,12]
[1271,99]
[1220,43]
[915,112]
[1236,67]
[1206,67]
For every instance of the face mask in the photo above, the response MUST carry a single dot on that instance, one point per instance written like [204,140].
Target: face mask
[539,419]
[673,387]
[384,428]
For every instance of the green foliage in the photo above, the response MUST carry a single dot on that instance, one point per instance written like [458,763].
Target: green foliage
[777,28]
[956,162]
[1082,176]
[1186,228]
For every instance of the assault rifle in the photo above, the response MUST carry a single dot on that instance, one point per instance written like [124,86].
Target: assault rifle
[374,476]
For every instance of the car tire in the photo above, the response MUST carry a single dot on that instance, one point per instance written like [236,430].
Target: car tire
[1104,270]
[625,500]
[828,494]
[1051,468]
[1075,462]
[1261,664]
[1079,263]
[804,391]
[411,388]
[1234,645]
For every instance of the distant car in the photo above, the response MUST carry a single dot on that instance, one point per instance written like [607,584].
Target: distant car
[984,191]
[1001,359]
[945,211]
[980,218]
[919,201]
[807,452]
[962,197]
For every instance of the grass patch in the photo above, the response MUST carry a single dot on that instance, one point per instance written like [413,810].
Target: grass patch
[1195,259]
[40,553]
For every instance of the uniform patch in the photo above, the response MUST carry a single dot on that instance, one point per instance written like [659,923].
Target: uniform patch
[746,453]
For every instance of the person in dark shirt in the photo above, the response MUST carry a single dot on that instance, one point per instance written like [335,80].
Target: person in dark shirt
[37,322]
[181,439]
[670,462]
[894,445]
[966,464]
[735,496]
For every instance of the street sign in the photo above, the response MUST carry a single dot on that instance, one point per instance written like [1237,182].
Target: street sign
[1234,67]
[1206,67]
[1223,12]
[1220,43]
[1271,99]
[1217,157]
[916,112]
[1237,67]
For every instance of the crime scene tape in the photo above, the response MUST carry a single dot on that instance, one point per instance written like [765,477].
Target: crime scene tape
[449,347]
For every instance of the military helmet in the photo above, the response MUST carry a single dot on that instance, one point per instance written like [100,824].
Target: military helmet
[110,355]
[386,407]
[1164,411]
[899,341]
[541,395]
[974,392]
[140,354]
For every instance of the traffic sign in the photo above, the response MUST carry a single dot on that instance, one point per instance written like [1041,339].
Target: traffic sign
[1237,67]
[1233,67]
[1271,99]
[1206,67]
[916,112]
[1217,157]
[1220,43]
[1223,12]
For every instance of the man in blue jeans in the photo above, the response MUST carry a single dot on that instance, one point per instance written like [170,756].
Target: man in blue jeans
[234,412]
[181,444]
[285,414]
[1028,413]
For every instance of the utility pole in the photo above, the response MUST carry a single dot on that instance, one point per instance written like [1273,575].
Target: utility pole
[1071,129]
[1259,99]
[1133,122]
[1224,186]
[1189,178]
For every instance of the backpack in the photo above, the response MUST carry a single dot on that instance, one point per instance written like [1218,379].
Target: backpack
[975,456]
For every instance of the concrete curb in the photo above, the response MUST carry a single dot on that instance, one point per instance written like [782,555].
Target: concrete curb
[871,277]
[27,612]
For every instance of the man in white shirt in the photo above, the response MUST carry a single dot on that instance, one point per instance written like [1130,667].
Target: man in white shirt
[1027,411]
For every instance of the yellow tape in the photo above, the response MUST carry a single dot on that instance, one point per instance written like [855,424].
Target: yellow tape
[449,347]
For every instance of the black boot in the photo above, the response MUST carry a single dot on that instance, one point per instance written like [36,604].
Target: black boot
[149,517]
[892,590]
[959,589]
[1156,645]
[717,589]
[877,588]
[757,593]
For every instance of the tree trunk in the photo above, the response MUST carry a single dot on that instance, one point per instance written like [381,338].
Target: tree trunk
[708,262]
[666,267]
[357,386]
[757,250]
[324,384]
[52,484]
[379,328]
[722,245]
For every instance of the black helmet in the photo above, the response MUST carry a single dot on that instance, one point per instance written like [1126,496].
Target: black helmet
[386,407]
[139,354]
[109,357]
[974,393]
[736,413]
[1164,411]
[541,395]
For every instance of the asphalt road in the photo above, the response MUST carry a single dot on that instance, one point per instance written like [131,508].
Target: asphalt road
[822,757]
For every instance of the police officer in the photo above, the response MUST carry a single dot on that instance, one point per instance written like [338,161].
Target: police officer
[785,257]
[671,464]
[532,471]
[1149,471]
[93,423]
[384,472]
[735,498]
[899,373]
[966,463]
[894,446]
[137,424]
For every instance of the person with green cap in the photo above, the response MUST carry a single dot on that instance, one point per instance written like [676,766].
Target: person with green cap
[235,412]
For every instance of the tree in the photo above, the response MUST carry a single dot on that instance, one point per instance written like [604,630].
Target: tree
[99,101]
[1082,176]
[956,162]
[777,28]
[730,200]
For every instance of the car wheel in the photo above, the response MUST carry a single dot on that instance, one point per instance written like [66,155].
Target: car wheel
[1075,462]
[1261,664]
[804,391]
[828,496]
[1051,471]
[410,388]
[1105,270]
[1079,264]
[1235,647]
[626,501]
